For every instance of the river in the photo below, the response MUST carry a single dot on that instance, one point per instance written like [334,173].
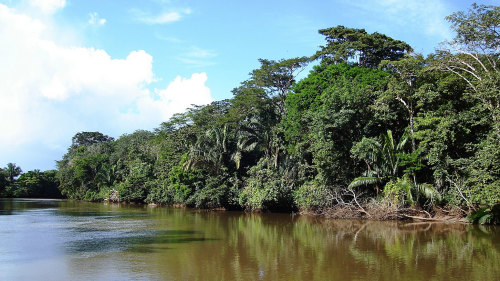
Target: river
[69,240]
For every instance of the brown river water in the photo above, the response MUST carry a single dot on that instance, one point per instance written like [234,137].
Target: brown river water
[68,240]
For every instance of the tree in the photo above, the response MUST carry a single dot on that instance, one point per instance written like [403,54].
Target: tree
[210,150]
[385,160]
[328,112]
[407,80]
[474,55]
[3,179]
[89,138]
[277,77]
[37,184]
[13,172]
[357,46]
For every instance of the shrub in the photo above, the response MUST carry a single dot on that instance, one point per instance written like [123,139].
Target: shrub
[312,195]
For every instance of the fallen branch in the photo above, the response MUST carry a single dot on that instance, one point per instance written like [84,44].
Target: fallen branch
[424,219]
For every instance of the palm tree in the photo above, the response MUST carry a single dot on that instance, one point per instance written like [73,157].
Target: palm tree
[381,159]
[250,136]
[209,151]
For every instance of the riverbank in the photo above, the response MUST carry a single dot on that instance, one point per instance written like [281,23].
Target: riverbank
[383,213]
[373,212]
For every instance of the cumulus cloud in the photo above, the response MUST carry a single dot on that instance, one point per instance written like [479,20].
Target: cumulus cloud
[48,92]
[174,97]
[48,6]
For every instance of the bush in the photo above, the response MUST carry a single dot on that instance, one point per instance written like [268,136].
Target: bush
[266,190]
[131,192]
[398,191]
[312,195]
[158,192]
[486,215]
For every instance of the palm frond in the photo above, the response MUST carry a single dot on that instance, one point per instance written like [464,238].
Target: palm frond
[360,181]
[428,191]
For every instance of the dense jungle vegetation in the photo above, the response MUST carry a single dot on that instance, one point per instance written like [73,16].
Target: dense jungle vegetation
[373,123]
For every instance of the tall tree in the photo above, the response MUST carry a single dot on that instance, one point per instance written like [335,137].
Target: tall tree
[407,81]
[474,55]
[89,138]
[357,46]
[277,77]
[3,179]
[13,172]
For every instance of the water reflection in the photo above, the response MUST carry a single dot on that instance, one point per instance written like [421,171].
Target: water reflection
[97,241]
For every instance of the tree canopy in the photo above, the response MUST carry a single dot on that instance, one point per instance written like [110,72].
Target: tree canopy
[360,47]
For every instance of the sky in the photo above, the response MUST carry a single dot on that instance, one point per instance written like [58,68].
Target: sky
[117,66]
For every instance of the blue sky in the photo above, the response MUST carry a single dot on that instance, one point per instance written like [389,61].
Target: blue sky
[118,66]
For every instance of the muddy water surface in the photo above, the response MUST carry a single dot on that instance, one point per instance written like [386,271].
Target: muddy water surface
[67,240]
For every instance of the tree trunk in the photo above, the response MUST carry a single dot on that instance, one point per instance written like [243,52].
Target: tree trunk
[276,157]
[413,145]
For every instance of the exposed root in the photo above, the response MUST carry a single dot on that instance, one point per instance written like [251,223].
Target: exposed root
[384,212]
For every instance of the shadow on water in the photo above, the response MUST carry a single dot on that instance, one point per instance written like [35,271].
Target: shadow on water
[103,241]
[9,206]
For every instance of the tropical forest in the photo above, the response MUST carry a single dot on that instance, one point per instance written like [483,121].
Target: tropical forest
[365,127]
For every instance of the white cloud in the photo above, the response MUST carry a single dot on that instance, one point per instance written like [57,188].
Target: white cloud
[48,92]
[196,52]
[165,17]
[182,93]
[95,19]
[48,6]
[162,18]
[197,57]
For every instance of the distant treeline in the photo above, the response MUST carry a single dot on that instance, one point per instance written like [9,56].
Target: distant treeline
[33,184]
[372,122]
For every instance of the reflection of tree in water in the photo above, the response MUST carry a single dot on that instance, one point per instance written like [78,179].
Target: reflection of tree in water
[427,250]
[197,245]
[276,246]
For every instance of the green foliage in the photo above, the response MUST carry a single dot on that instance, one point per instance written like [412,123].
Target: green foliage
[158,193]
[403,191]
[370,114]
[367,50]
[399,191]
[382,158]
[183,183]
[478,28]
[217,192]
[13,171]
[3,181]
[266,190]
[88,139]
[486,215]
[482,179]
[312,195]
[364,180]
[136,186]
[328,112]
[36,184]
